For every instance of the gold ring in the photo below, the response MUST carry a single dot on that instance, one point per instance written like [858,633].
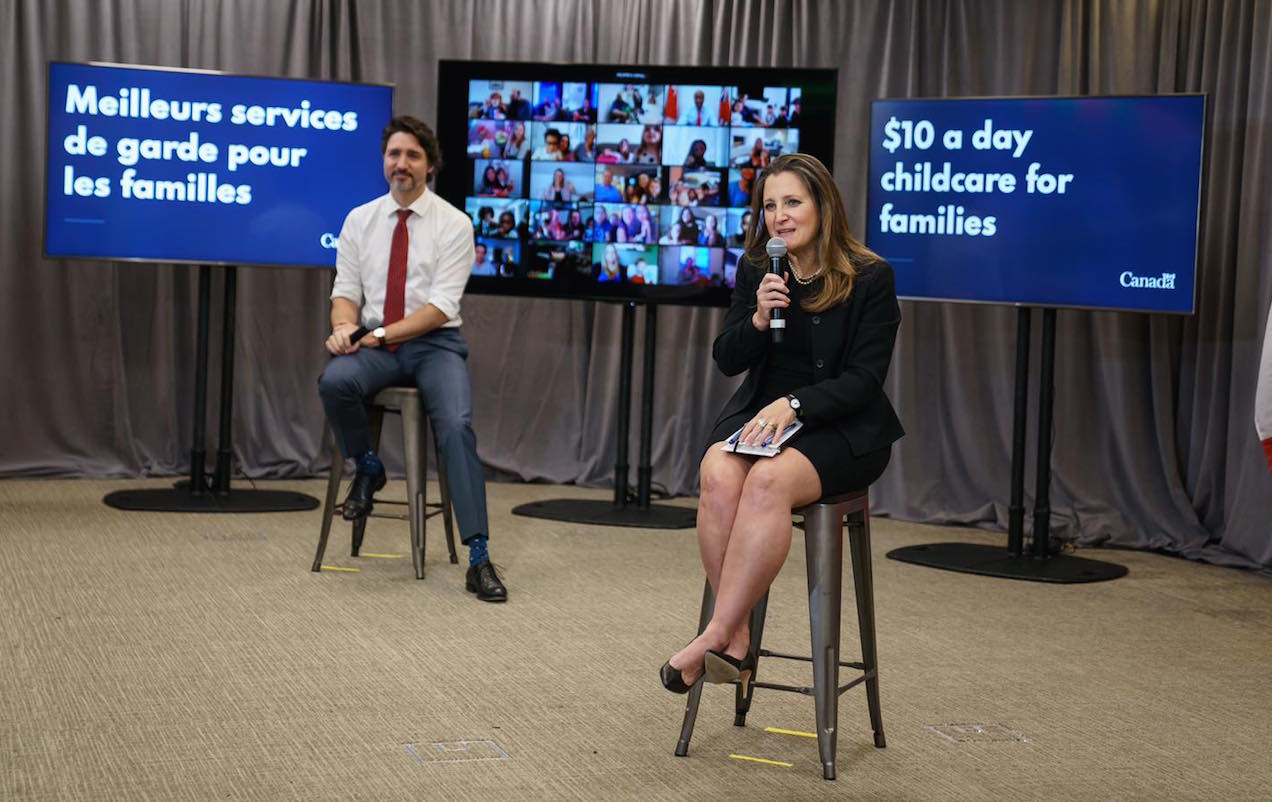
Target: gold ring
[761,422]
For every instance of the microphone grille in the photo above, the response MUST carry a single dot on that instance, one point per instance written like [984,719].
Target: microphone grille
[373,323]
[776,247]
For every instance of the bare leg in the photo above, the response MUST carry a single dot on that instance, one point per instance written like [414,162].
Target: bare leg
[756,548]
[721,476]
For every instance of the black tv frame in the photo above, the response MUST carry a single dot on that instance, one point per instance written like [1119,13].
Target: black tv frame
[817,137]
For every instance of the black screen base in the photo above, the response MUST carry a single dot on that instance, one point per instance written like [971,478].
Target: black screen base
[607,513]
[180,499]
[986,560]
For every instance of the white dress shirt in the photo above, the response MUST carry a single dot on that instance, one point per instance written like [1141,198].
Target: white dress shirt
[690,115]
[439,258]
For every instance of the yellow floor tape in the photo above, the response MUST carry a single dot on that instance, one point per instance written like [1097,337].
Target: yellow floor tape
[796,733]
[765,761]
[382,556]
[341,569]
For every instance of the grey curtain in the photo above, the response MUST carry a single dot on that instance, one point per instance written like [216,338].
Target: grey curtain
[1154,445]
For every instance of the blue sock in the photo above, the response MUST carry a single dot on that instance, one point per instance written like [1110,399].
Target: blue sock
[477,553]
[370,463]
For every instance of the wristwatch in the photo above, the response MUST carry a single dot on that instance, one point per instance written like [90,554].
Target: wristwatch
[378,334]
[795,405]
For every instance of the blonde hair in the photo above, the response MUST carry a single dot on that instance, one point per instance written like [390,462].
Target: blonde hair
[839,253]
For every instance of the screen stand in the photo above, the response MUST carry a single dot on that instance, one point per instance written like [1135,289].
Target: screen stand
[618,512]
[198,494]
[1039,565]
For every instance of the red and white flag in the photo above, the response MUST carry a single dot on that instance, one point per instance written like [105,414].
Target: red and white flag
[1263,395]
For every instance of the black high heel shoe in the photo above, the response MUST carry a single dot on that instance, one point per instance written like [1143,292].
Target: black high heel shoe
[673,680]
[723,669]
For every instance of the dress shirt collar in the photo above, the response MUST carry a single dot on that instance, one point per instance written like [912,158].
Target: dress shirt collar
[389,207]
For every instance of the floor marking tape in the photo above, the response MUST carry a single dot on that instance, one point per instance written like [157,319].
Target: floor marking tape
[762,760]
[797,733]
[382,556]
[341,568]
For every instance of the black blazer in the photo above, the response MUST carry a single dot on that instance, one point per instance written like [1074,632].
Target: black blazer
[852,348]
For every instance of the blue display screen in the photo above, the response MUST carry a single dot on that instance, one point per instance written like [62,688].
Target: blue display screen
[183,166]
[1075,202]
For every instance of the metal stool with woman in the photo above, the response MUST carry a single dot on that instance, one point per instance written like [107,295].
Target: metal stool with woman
[838,300]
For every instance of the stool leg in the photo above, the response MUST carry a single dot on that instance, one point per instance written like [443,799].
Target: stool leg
[742,701]
[414,430]
[375,418]
[329,506]
[824,547]
[443,487]
[359,530]
[695,693]
[863,583]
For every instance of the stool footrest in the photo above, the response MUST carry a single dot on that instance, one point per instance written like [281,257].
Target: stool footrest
[806,690]
[772,686]
[854,683]
[803,659]
[396,516]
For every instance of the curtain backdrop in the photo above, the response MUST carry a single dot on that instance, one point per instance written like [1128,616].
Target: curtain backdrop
[1154,445]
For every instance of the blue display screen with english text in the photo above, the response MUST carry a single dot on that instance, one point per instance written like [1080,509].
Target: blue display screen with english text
[1074,202]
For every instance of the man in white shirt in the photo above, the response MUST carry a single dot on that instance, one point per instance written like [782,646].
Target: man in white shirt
[401,265]
[698,113]
[481,265]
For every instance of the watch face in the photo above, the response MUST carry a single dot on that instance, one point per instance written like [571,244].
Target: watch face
[378,333]
[794,403]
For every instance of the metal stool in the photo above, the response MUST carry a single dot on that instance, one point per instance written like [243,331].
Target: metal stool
[823,539]
[406,402]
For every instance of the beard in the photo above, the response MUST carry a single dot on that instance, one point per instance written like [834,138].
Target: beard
[403,182]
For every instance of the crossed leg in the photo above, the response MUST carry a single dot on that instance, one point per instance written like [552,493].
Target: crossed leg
[744,535]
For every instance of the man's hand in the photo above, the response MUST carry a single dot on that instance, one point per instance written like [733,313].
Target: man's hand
[338,343]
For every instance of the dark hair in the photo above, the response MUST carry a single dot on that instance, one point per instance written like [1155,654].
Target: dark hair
[422,133]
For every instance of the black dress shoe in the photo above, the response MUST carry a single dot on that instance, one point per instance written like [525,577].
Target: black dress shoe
[483,581]
[358,504]
[721,668]
[672,679]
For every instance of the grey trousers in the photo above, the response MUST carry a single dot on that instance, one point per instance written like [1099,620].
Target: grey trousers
[436,364]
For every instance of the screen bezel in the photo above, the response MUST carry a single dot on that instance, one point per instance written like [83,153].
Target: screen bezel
[817,137]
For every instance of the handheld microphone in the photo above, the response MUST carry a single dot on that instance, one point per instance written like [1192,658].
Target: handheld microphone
[776,249]
[361,331]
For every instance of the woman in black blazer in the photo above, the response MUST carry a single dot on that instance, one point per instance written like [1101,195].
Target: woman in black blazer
[840,306]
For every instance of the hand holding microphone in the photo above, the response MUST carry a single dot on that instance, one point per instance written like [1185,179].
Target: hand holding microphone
[337,344]
[772,296]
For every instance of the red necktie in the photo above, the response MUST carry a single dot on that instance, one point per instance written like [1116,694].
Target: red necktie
[395,293]
[699,116]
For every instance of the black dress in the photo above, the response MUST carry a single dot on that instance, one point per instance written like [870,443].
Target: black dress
[787,368]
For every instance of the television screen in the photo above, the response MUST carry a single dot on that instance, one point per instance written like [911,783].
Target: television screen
[1085,202]
[163,165]
[612,182]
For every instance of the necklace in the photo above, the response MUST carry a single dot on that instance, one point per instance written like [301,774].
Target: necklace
[808,280]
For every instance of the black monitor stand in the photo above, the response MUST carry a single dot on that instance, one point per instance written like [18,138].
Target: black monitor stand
[1039,565]
[620,512]
[201,493]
